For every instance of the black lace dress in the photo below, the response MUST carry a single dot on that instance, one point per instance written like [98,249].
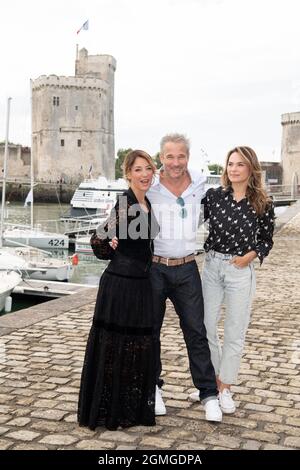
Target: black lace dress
[118,376]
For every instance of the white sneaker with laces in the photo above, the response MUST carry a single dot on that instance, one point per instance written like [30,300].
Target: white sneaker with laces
[212,410]
[194,396]
[226,402]
[160,408]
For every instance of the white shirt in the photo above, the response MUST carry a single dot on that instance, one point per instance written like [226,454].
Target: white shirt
[177,237]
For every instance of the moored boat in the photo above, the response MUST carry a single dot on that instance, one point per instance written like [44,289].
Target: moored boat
[8,281]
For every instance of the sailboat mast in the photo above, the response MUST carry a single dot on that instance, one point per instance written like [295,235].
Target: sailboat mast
[31,189]
[31,164]
[4,171]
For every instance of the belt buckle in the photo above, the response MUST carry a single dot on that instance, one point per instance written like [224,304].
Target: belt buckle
[167,264]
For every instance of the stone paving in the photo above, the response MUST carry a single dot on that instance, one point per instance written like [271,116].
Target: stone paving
[41,354]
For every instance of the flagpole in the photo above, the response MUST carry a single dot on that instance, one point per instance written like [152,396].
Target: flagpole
[4,171]
[31,164]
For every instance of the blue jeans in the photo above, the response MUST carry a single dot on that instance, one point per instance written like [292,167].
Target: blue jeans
[182,285]
[224,283]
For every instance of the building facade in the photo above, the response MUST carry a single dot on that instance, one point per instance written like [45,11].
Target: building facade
[290,148]
[18,162]
[272,172]
[73,122]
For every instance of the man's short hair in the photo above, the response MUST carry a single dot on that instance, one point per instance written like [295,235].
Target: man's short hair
[175,138]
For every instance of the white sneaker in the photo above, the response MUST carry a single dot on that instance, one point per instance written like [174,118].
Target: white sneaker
[194,396]
[226,402]
[212,410]
[160,408]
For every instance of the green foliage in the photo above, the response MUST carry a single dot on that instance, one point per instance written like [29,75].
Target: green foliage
[121,154]
[215,169]
[156,160]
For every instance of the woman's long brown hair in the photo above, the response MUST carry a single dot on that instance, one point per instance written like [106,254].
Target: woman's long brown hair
[255,192]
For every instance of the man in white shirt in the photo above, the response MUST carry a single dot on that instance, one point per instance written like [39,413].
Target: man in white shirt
[176,197]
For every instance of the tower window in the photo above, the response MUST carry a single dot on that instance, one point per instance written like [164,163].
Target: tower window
[62,142]
[55,100]
[76,108]
[79,143]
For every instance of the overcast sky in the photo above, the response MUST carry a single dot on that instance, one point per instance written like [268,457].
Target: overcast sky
[220,71]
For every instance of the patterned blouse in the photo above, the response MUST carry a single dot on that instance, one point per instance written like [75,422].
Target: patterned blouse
[234,227]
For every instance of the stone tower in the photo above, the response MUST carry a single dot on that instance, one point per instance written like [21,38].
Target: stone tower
[290,148]
[73,121]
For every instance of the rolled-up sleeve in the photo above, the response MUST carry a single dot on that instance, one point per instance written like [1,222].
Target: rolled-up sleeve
[264,234]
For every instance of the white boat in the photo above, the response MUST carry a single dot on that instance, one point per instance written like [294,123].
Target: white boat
[33,264]
[14,235]
[96,197]
[8,281]
[82,245]
[22,235]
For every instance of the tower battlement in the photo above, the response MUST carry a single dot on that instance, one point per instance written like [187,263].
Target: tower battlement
[290,118]
[102,65]
[56,81]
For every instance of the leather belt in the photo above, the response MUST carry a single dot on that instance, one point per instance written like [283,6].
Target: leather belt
[173,261]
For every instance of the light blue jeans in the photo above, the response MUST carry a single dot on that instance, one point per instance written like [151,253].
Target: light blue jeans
[235,287]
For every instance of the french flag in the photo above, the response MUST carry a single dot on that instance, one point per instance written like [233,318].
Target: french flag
[85,26]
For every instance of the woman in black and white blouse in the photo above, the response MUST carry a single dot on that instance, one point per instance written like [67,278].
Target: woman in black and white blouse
[241,224]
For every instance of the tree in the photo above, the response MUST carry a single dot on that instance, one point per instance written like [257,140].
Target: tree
[215,169]
[121,154]
[9,143]
[156,160]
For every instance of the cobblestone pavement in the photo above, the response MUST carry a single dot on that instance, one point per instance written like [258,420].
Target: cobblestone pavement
[41,354]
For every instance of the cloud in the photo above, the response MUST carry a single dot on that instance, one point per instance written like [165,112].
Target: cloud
[221,71]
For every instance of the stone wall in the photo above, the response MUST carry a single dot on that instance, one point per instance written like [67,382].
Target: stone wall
[290,149]
[18,161]
[52,193]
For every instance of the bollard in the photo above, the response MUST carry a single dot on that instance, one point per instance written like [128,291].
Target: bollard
[8,304]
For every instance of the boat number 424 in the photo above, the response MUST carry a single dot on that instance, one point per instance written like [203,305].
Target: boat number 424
[56,242]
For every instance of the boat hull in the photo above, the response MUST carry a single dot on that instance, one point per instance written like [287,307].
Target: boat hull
[82,245]
[8,281]
[45,242]
[63,273]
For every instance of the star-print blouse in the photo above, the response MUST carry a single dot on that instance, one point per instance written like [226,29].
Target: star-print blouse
[234,227]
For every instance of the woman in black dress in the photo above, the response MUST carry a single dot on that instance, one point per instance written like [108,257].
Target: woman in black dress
[118,376]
